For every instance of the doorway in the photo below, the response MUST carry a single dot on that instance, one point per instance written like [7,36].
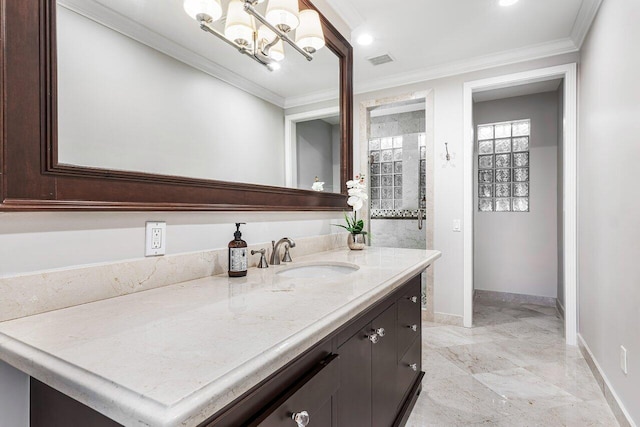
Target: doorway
[397,157]
[568,155]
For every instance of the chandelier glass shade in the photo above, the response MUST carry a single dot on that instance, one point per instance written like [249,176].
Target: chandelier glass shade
[266,43]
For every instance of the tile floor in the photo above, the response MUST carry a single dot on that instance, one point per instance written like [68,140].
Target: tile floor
[512,369]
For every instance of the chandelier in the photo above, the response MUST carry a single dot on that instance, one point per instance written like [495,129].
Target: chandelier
[266,43]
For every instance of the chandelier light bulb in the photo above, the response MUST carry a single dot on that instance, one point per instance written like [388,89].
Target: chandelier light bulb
[239,26]
[207,10]
[309,35]
[283,14]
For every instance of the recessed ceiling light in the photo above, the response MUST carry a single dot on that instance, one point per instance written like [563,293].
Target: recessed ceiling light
[365,39]
[506,3]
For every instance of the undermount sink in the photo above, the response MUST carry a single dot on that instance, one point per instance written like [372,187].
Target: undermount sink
[328,270]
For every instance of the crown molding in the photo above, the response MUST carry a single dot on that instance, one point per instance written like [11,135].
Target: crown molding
[312,98]
[584,20]
[347,12]
[134,30]
[543,50]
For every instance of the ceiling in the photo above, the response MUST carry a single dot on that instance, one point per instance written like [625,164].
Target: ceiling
[435,38]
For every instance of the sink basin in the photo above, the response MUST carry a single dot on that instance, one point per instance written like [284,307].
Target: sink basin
[328,270]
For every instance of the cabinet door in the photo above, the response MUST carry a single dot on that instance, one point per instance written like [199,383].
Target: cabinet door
[385,395]
[354,394]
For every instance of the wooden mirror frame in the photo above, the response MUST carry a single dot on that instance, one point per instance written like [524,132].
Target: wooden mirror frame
[32,179]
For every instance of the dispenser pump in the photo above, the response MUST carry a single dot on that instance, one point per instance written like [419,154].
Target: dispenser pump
[238,234]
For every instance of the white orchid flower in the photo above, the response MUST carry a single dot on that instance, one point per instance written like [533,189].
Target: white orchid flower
[357,191]
[318,186]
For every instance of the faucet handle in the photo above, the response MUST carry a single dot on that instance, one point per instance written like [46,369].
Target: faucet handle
[287,255]
[263,260]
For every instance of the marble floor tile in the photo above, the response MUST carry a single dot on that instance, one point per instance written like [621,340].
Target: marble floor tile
[550,323]
[572,375]
[458,401]
[479,358]
[447,336]
[512,369]
[525,389]
[549,311]
[437,367]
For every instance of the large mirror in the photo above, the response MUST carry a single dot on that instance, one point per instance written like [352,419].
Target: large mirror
[142,88]
[119,104]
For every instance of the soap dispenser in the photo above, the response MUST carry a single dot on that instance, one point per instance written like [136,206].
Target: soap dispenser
[237,254]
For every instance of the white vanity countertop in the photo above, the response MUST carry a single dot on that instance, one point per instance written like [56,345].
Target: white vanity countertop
[174,356]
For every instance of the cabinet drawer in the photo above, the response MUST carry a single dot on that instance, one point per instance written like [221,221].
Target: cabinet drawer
[409,317]
[406,373]
[314,394]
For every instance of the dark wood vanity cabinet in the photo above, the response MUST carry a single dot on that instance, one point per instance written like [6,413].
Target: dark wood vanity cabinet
[381,362]
[366,373]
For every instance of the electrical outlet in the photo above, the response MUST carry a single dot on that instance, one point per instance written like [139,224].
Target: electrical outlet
[156,238]
[623,359]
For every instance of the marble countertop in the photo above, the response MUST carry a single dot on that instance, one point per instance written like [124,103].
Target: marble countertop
[175,355]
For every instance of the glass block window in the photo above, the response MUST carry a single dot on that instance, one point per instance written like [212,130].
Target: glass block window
[386,173]
[503,166]
[386,176]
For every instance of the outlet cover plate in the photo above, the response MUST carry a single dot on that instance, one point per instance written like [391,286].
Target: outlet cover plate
[156,238]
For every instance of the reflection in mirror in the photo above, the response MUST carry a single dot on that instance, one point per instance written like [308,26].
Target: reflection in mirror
[141,88]
[312,144]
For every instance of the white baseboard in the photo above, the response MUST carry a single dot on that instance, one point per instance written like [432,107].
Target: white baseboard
[447,319]
[618,409]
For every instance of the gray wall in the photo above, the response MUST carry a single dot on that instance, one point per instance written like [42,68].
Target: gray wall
[608,176]
[516,252]
[315,154]
[560,202]
[123,105]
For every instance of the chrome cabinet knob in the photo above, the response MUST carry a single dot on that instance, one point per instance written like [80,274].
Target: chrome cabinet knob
[374,338]
[414,328]
[414,367]
[380,332]
[413,299]
[301,418]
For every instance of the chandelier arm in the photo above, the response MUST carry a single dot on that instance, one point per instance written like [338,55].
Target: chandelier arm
[248,7]
[242,49]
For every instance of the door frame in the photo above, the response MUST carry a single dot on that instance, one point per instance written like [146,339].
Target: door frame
[290,151]
[570,179]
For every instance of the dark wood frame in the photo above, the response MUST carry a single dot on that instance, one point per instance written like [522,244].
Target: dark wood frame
[32,179]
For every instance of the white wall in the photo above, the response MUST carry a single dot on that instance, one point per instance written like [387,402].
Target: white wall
[31,242]
[123,105]
[516,252]
[608,176]
[448,182]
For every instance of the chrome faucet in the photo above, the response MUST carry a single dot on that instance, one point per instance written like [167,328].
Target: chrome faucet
[275,253]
